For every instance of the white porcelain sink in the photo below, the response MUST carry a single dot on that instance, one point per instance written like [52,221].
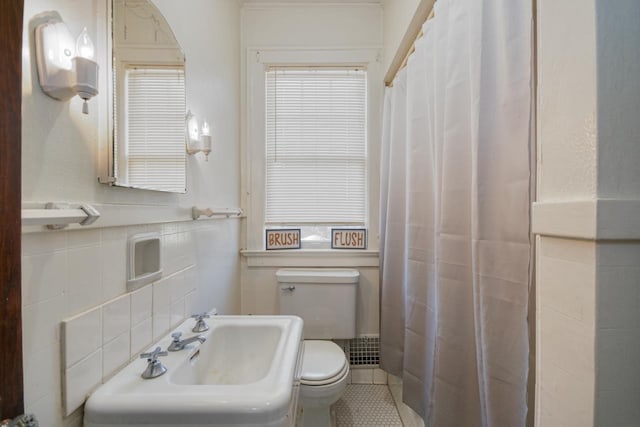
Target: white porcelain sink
[242,375]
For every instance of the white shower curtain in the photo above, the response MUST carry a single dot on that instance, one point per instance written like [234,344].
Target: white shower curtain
[455,198]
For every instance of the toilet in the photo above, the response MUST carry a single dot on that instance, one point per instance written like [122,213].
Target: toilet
[325,299]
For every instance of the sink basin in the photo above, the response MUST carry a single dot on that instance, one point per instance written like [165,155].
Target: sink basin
[244,374]
[233,354]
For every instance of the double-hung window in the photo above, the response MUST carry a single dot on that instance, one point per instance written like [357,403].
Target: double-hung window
[316,149]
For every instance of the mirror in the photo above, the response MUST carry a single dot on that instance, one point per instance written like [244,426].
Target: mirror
[149,101]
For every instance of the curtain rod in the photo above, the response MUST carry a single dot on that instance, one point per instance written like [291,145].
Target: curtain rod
[407,45]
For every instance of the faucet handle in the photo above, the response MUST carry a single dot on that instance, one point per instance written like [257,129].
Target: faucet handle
[200,325]
[200,316]
[154,368]
[153,356]
[176,336]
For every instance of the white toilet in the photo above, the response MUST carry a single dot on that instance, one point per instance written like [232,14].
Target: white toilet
[326,300]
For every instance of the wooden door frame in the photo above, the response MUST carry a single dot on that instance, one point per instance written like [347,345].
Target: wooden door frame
[11,381]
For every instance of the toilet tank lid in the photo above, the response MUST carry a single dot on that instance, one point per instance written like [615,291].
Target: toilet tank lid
[318,275]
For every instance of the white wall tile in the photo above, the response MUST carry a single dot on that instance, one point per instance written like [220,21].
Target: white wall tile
[84,288]
[162,294]
[568,398]
[379,376]
[141,304]
[177,286]
[170,228]
[161,322]
[46,275]
[82,238]
[393,380]
[141,337]
[116,354]
[113,268]
[113,234]
[190,280]
[47,408]
[41,324]
[619,297]
[617,408]
[618,358]
[619,254]
[82,335]
[116,317]
[170,253]
[45,242]
[188,304]
[41,373]
[81,379]
[362,376]
[177,312]
[567,343]
[189,247]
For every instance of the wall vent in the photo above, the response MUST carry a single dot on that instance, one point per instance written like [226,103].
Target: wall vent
[362,352]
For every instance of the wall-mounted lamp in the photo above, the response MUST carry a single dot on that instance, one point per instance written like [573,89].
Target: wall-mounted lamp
[198,139]
[65,68]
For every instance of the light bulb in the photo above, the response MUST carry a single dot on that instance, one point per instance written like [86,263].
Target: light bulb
[205,129]
[84,45]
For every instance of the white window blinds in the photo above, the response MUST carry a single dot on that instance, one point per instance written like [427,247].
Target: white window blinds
[316,146]
[155,131]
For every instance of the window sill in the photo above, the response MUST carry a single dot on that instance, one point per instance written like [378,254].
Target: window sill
[311,258]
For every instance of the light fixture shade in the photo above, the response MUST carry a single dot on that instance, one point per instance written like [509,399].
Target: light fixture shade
[193,133]
[65,68]
[206,131]
[84,45]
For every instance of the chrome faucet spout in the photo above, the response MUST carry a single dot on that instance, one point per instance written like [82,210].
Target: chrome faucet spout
[179,344]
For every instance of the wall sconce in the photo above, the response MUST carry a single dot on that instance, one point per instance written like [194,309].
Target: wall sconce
[65,68]
[198,139]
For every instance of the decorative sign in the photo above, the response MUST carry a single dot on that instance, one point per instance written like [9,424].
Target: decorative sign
[283,238]
[348,238]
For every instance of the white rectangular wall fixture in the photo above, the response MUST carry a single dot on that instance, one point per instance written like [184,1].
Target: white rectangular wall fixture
[144,263]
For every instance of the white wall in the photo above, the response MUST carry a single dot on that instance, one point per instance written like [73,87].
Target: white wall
[397,15]
[329,26]
[588,309]
[66,272]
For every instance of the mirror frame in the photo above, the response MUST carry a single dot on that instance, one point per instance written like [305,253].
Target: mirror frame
[107,164]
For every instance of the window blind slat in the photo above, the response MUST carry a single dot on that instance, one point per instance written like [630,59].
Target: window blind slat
[315,146]
[155,128]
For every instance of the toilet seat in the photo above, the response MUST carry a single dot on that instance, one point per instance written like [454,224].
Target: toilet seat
[323,363]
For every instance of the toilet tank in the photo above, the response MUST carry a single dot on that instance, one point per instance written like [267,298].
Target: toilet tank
[324,298]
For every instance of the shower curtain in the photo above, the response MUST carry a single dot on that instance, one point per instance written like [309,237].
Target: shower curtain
[455,200]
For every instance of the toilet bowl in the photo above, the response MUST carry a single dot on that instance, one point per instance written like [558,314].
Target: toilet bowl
[325,299]
[325,371]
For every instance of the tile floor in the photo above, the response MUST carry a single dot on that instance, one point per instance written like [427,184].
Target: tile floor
[367,405]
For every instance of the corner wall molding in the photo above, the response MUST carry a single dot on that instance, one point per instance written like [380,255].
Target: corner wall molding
[597,219]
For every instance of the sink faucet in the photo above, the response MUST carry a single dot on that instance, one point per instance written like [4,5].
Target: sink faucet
[201,325]
[179,344]
[154,368]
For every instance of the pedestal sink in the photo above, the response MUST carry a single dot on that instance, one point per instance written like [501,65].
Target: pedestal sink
[245,374]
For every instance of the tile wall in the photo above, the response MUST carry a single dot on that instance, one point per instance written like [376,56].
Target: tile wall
[98,342]
[81,275]
[617,391]
[566,321]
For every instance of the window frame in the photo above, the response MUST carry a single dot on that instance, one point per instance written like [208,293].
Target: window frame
[258,61]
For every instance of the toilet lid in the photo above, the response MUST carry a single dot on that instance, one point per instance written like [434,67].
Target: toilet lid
[322,360]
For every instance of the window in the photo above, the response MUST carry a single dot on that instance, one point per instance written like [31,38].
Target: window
[154,132]
[316,148]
